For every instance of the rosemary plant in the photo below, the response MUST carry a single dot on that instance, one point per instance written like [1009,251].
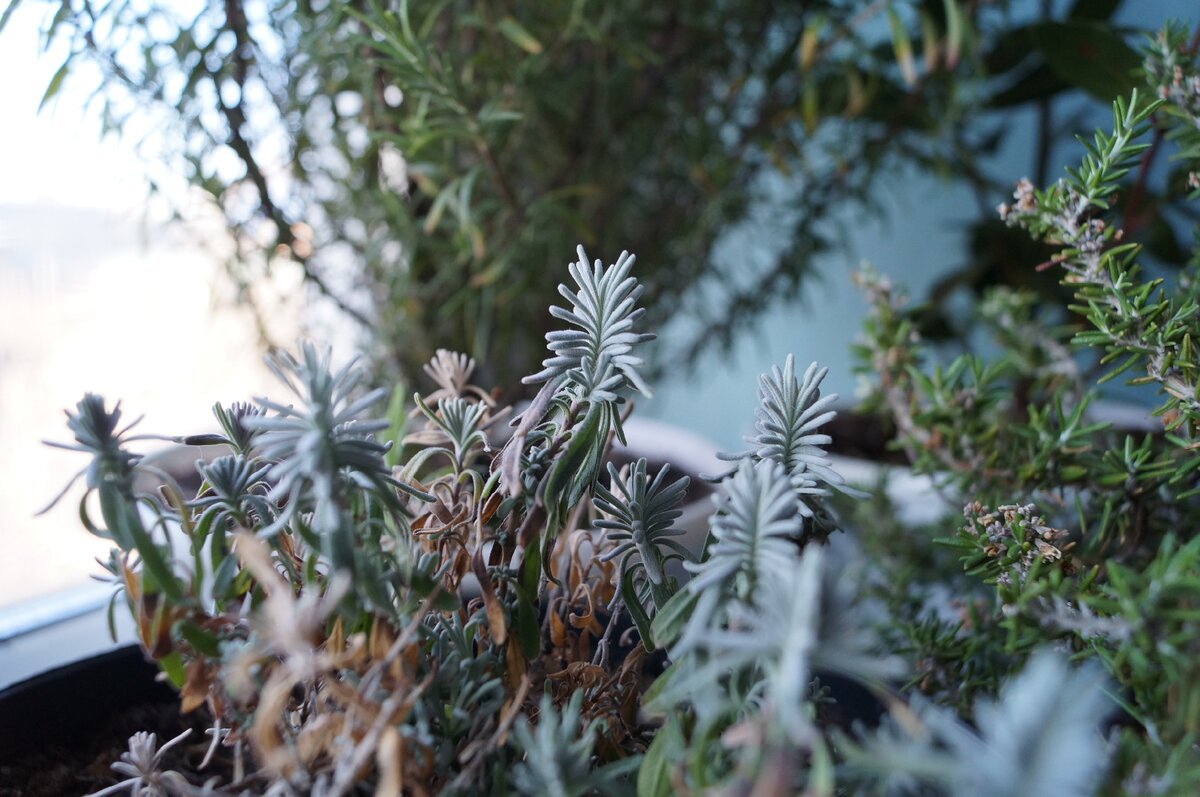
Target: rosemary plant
[441,158]
[1091,546]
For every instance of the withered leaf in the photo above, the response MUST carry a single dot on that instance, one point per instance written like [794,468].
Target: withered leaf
[195,688]
[491,602]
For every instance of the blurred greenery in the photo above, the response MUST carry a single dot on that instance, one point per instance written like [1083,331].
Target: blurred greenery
[431,167]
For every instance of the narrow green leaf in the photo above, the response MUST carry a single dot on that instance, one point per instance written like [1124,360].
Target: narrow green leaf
[531,569]
[516,33]
[810,106]
[672,616]
[676,670]
[634,606]
[110,616]
[8,12]
[397,417]
[822,775]
[806,50]
[172,665]
[654,776]
[446,601]
[55,83]
[125,524]
[223,575]
[528,634]
[902,46]
[203,641]
[954,32]
[562,481]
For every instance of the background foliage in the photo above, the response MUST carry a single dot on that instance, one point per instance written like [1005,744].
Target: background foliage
[427,165]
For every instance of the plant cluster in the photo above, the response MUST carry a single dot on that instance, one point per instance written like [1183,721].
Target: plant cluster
[1091,546]
[456,623]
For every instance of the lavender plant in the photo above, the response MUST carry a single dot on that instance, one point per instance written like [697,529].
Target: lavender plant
[1039,738]
[456,624]
[637,518]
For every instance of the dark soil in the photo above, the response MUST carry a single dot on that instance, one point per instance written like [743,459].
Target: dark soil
[60,732]
[76,769]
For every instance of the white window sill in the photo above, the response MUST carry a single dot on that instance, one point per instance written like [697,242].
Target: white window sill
[56,630]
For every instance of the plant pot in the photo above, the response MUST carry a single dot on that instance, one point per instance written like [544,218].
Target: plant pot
[60,730]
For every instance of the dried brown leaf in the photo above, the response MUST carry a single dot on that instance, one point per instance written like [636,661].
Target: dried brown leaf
[389,758]
[515,666]
[586,618]
[491,602]
[489,507]
[265,735]
[558,630]
[196,686]
[379,640]
[337,639]
[319,737]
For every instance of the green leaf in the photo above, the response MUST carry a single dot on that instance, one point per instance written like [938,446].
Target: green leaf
[205,642]
[446,601]
[340,544]
[528,634]
[86,520]
[810,106]
[679,670]
[223,575]
[806,50]
[672,616]
[822,777]
[634,606]
[1010,50]
[204,440]
[1088,56]
[126,525]
[110,615]
[172,665]
[563,483]
[518,35]
[531,569]
[8,12]
[1041,83]
[55,83]
[654,777]
[902,46]
[397,417]
[954,32]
